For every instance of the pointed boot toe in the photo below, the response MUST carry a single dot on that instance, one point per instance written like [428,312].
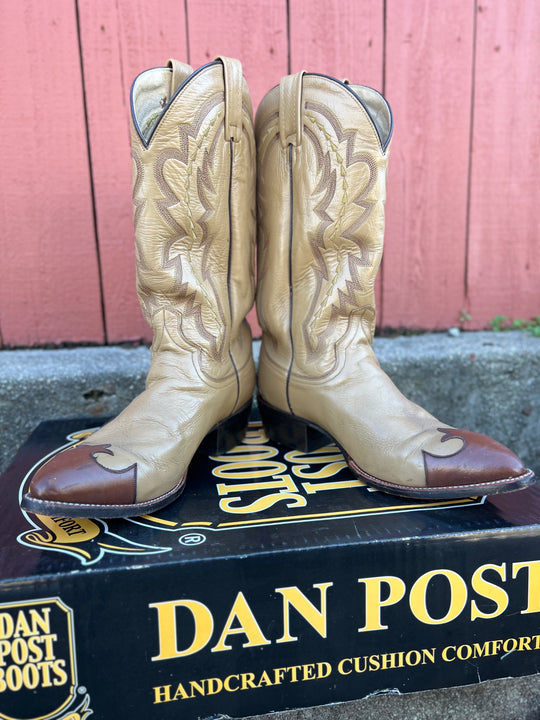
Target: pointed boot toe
[193,152]
[322,155]
[73,481]
[482,466]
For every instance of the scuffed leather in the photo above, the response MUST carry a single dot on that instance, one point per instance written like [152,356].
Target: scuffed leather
[321,229]
[194,215]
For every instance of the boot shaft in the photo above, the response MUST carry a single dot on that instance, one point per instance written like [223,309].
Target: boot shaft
[322,158]
[193,156]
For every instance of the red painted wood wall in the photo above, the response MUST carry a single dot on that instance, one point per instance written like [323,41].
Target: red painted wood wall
[463,220]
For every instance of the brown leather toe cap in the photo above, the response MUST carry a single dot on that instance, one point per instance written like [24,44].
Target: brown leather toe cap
[481,460]
[75,476]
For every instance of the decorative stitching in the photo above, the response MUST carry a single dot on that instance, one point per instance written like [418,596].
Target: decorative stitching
[346,295]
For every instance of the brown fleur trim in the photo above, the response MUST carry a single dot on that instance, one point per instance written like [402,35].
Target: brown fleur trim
[480,460]
[75,474]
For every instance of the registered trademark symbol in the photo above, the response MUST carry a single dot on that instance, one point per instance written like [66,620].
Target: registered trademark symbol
[192,539]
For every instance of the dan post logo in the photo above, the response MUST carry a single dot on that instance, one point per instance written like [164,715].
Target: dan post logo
[259,484]
[38,674]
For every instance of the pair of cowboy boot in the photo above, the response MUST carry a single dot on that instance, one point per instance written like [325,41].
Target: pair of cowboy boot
[322,152]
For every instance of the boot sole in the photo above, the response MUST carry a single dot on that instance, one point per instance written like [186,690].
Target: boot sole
[222,437]
[296,432]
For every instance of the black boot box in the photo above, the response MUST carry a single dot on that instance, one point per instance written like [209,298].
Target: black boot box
[277,581]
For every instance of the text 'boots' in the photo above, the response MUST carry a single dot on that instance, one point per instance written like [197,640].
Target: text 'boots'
[322,157]
[193,193]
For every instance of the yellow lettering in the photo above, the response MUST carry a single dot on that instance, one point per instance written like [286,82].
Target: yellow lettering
[481,650]
[6,626]
[533,600]
[162,693]
[204,627]
[341,666]
[388,660]
[248,681]
[60,672]
[227,683]
[357,668]
[323,669]
[316,618]
[195,686]
[262,503]
[496,646]
[241,469]
[45,669]
[248,626]
[180,693]
[19,651]
[5,650]
[490,591]
[283,483]
[214,685]
[374,601]
[14,678]
[264,680]
[40,623]
[248,455]
[311,488]
[302,460]
[458,597]
[445,653]
[21,626]
[87,529]
[30,676]
[35,648]
[413,658]
[48,641]
[255,436]
[294,672]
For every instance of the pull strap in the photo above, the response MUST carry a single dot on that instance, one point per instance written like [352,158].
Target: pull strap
[291,110]
[232,74]
[180,72]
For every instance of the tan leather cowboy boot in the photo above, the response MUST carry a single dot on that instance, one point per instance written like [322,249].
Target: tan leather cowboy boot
[194,205]
[322,157]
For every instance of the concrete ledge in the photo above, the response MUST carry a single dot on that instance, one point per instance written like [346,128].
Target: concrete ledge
[487,382]
[507,699]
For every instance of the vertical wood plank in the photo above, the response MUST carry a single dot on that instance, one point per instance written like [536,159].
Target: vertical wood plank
[504,246]
[254,31]
[429,56]
[341,38]
[49,281]
[119,40]
[356,49]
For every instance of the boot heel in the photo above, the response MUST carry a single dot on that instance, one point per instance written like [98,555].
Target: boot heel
[290,430]
[227,433]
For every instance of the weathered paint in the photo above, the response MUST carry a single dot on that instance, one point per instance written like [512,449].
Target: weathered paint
[463,194]
[49,280]
[504,234]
